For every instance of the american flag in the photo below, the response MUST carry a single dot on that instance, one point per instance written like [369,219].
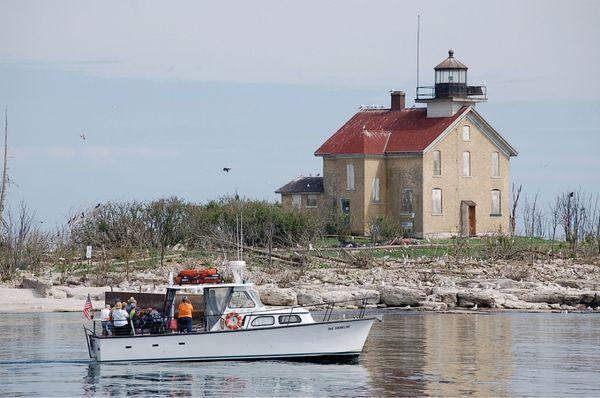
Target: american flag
[87,308]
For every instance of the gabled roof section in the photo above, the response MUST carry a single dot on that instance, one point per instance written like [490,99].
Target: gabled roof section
[383,131]
[303,185]
[491,133]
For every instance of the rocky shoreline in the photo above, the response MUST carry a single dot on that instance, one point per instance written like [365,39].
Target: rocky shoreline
[430,285]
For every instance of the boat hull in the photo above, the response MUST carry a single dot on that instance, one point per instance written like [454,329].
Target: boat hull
[324,340]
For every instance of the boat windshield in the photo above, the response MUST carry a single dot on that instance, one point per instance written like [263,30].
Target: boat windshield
[216,300]
[255,297]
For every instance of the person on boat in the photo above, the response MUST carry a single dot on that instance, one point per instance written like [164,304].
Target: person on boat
[135,314]
[131,304]
[120,320]
[105,318]
[185,315]
[153,320]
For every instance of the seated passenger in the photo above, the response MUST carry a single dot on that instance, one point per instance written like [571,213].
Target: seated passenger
[153,320]
[120,320]
[105,318]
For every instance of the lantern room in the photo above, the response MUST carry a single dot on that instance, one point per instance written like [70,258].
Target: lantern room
[451,88]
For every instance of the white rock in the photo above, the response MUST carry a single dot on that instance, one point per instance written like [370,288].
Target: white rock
[401,296]
[278,296]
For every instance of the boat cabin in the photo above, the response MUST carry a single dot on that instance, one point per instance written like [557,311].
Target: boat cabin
[233,306]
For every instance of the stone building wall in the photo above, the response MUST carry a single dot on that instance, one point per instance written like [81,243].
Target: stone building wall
[457,188]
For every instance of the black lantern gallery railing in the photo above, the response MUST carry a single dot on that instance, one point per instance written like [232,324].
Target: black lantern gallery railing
[452,90]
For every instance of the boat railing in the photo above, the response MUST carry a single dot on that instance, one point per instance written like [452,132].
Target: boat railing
[163,327]
[329,308]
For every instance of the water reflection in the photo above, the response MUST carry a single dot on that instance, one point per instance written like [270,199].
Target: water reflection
[226,379]
[410,354]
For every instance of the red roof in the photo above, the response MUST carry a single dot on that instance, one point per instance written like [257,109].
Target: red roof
[380,131]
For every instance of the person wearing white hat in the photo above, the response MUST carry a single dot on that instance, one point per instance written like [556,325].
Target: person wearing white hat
[105,317]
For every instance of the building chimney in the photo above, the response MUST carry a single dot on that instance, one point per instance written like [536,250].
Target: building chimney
[398,100]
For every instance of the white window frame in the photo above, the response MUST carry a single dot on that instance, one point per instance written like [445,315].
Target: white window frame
[258,321]
[495,164]
[466,133]
[436,201]
[289,319]
[296,201]
[437,159]
[466,164]
[309,197]
[350,177]
[376,191]
[496,203]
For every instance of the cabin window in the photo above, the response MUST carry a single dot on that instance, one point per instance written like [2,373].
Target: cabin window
[376,189]
[466,164]
[407,202]
[296,201]
[436,201]
[466,133]
[496,203]
[311,200]
[437,163]
[241,300]
[495,164]
[285,319]
[350,177]
[263,321]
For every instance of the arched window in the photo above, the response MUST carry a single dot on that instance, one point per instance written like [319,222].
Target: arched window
[376,198]
[407,202]
[495,164]
[350,177]
[496,203]
[437,163]
[466,164]
[466,131]
[436,201]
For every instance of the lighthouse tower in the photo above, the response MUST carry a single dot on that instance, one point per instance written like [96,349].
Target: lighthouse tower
[451,91]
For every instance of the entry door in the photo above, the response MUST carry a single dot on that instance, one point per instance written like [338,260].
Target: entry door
[472,221]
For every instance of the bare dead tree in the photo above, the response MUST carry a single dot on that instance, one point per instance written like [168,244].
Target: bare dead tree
[4,183]
[555,209]
[516,194]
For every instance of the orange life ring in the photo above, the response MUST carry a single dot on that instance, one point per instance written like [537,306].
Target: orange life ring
[234,321]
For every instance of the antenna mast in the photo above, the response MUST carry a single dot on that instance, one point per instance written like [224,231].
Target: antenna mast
[418,50]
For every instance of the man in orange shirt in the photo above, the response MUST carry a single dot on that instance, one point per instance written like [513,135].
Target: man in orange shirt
[185,315]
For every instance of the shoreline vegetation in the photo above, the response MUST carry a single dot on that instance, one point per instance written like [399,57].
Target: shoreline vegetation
[303,258]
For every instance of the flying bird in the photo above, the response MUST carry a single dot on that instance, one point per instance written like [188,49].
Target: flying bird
[226,169]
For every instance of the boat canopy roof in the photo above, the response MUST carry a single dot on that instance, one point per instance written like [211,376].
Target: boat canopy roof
[209,285]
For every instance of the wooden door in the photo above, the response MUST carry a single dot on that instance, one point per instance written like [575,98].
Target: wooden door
[472,221]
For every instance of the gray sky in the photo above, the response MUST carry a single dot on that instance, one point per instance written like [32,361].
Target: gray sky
[179,89]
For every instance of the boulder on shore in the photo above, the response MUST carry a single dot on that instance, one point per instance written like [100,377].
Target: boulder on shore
[401,296]
[41,287]
[58,293]
[350,296]
[309,297]
[483,298]
[278,296]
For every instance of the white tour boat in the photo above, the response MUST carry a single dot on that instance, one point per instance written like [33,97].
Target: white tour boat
[237,326]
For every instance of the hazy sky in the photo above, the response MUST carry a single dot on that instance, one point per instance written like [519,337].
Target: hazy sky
[169,93]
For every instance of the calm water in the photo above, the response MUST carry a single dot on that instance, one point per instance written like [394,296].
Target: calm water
[408,354]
